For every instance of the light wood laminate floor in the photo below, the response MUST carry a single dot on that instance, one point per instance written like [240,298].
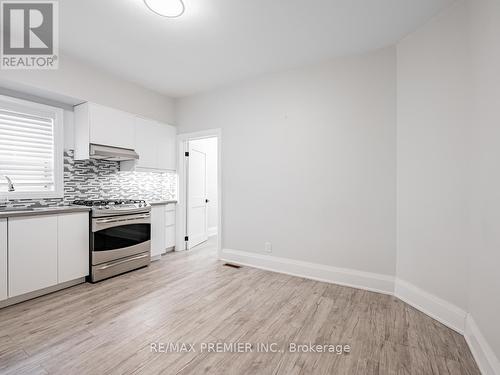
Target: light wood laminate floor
[190,297]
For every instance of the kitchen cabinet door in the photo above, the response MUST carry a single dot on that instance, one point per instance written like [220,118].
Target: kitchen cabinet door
[170,226]
[167,155]
[157,230]
[170,215]
[111,127]
[73,246]
[147,134]
[32,254]
[170,237]
[3,259]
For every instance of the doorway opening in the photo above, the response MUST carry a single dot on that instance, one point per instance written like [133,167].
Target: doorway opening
[199,208]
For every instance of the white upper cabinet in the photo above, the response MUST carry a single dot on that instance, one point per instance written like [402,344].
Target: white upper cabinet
[3,259]
[102,125]
[167,155]
[146,142]
[155,143]
[111,127]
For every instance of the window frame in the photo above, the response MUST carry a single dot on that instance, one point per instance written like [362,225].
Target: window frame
[57,114]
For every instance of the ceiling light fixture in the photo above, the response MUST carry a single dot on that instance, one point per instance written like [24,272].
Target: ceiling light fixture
[166,8]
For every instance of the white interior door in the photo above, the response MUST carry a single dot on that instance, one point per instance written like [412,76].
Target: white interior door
[197,219]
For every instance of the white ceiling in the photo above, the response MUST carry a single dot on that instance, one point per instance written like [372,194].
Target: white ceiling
[221,41]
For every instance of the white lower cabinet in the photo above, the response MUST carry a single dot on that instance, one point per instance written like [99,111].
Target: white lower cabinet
[170,226]
[3,259]
[162,228]
[32,256]
[157,230]
[170,237]
[44,251]
[73,246]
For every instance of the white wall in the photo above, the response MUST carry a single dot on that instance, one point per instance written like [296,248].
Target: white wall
[448,158]
[434,158]
[209,145]
[309,161]
[484,290]
[85,83]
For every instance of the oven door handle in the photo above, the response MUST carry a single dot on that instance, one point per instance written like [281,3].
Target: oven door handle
[105,223]
[114,220]
[105,267]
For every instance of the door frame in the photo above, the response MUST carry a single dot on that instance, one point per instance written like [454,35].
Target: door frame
[181,207]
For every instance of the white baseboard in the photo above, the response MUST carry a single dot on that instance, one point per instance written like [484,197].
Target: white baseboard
[443,311]
[453,317]
[357,279]
[483,354]
[212,231]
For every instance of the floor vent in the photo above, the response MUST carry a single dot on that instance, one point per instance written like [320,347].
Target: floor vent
[231,265]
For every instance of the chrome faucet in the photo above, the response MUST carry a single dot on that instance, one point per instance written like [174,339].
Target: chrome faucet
[9,183]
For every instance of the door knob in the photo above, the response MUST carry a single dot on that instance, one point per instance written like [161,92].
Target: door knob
[206,201]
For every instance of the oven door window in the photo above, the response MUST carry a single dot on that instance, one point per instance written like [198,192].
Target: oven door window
[121,236]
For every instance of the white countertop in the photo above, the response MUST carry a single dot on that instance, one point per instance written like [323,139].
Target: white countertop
[159,203]
[36,211]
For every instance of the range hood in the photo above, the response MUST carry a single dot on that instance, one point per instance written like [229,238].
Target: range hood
[112,153]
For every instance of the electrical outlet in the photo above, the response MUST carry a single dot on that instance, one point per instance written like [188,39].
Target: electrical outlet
[268,247]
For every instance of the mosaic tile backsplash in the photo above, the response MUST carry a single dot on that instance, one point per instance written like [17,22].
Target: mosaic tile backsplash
[102,179]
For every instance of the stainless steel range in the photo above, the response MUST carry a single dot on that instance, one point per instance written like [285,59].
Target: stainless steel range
[120,238]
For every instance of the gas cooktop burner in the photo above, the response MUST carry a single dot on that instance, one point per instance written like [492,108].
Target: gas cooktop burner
[113,207]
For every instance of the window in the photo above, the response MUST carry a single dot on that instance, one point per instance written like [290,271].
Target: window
[31,149]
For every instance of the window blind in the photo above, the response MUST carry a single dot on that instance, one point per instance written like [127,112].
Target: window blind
[27,151]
